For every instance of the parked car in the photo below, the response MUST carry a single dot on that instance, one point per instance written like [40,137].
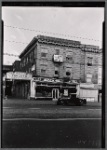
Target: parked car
[71,100]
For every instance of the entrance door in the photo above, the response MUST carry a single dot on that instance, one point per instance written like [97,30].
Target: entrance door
[55,94]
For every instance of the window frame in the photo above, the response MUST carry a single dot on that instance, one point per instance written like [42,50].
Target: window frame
[89,61]
[42,55]
[42,69]
[57,52]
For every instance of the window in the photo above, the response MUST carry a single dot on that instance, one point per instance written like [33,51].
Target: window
[68,73]
[69,56]
[32,56]
[24,62]
[27,60]
[56,72]
[43,54]
[57,51]
[88,78]
[89,61]
[29,70]
[96,60]
[43,71]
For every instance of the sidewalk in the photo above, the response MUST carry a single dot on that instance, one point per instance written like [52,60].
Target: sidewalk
[94,103]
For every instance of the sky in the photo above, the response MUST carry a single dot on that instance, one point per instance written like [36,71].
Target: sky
[21,24]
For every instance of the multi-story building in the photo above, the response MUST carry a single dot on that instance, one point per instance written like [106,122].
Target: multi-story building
[16,65]
[70,62]
[91,61]
[54,57]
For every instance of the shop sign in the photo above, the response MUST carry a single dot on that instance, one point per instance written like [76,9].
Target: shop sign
[46,79]
[87,85]
[18,75]
[58,58]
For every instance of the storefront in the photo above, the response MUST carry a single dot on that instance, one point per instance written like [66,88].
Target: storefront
[88,91]
[17,84]
[25,86]
[51,89]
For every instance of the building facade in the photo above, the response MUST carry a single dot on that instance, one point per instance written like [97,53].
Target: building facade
[58,65]
[59,58]
[7,85]
[16,65]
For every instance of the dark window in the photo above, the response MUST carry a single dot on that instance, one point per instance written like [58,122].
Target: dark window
[89,61]
[43,71]
[68,73]
[43,54]
[31,56]
[25,61]
[57,51]
[69,59]
[56,72]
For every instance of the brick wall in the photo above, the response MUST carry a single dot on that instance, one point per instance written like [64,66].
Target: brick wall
[31,60]
[95,64]
[74,60]
[48,64]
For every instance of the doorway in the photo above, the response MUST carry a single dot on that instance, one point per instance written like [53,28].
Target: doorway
[55,94]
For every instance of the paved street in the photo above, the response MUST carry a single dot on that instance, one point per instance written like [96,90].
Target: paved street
[52,134]
[48,109]
[39,124]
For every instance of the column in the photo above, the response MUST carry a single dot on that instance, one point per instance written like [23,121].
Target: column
[32,89]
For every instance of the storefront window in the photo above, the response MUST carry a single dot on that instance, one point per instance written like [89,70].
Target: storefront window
[43,91]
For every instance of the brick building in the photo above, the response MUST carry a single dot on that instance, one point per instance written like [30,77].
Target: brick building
[70,62]
[54,57]
[91,61]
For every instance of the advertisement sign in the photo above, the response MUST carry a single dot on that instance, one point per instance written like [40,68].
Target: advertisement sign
[18,75]
[86,85]
[46,79]
[58,58]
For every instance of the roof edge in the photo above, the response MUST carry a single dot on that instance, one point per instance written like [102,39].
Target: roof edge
[27,47]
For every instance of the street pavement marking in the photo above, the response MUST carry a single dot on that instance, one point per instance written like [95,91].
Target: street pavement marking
[54,119]
[19,108]
[6,107]
[65,108]
[59,108]
[34,108]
